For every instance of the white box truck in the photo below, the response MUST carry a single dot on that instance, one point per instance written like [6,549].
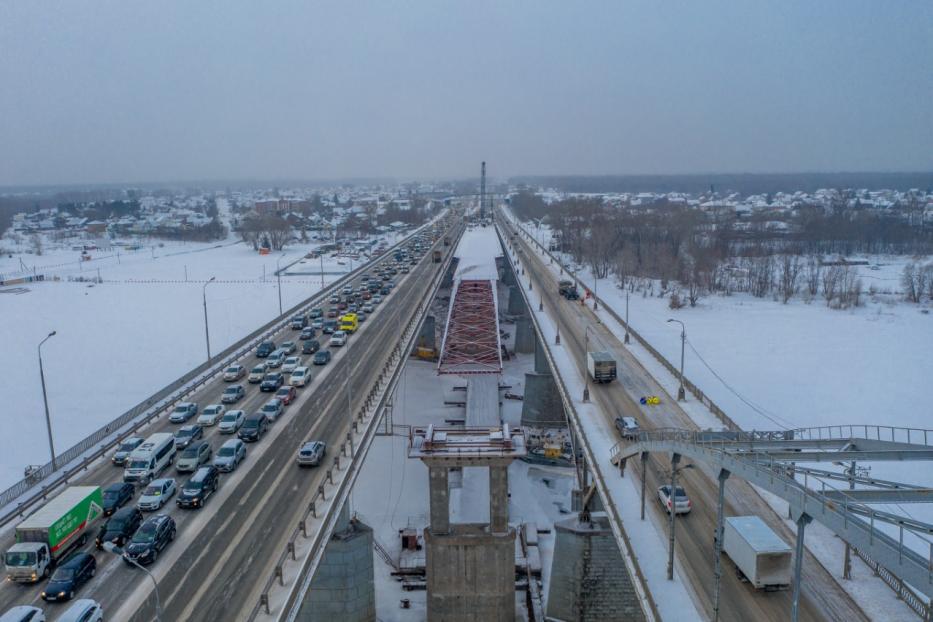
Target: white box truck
[601,366]
[760,555]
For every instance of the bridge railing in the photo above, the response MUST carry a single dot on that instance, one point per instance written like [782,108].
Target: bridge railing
[916,436]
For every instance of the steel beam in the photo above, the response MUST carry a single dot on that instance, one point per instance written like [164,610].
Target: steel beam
[891,495]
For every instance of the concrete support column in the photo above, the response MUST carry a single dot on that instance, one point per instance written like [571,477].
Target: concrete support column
[524,336]
[498,499]
[440,500]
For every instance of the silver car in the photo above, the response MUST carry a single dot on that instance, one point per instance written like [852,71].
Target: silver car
[230,455]
[231,421]
[311,453]
[156,494]
[194,456]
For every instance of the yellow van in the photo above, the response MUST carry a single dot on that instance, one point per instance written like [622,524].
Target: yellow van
[349,323]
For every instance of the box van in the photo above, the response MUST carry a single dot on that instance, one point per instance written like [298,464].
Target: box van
[150,458]
[349,323]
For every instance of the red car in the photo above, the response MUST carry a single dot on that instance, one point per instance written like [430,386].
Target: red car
[287,395]
[342,306]
[367,296]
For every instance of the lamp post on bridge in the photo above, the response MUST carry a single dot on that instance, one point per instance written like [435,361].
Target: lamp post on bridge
[207,336]
[45,401]
[681,394]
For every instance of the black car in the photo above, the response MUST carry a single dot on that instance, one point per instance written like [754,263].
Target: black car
[116,496]
[202,485]
[265,349]
[120,528]
[322,357]
[149,540]
[253,428]
[272,381]
[70,576]
[329,327]
[310,346]
[307,333]
[385,291]
[126,448]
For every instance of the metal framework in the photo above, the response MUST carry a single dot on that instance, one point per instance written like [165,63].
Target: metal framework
[471,338]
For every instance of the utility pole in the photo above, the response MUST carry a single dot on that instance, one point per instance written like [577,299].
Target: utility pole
[207,335]
[847,563]
[626,317]
[482,193]
[278,279]
[681,393]
[45,401]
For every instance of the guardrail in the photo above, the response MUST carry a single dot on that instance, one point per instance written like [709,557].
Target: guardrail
[107,437]
[868,432]
[670,367]
[324,506]
[649,607]
[904,592]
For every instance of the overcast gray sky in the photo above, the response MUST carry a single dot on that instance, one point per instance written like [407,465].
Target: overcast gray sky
[123,90]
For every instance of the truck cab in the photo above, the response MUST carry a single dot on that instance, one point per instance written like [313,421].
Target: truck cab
[28,562]
[568,290]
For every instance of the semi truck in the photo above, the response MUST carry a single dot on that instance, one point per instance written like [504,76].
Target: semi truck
[568,290]
[51,532]
[601,366]
[759,554]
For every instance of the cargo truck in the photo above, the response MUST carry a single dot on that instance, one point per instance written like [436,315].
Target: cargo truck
[437,257]
[759,554]
[349,323]
[601,366]
[568,290]
[51,532]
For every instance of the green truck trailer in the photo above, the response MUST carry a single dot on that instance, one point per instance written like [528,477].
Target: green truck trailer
[52,531]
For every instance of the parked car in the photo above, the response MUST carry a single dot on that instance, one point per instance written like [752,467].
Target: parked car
[194,456]
[83,610]
[311,453]
[682,503]
[117,495]
[307,333]
[272,382]
[265,349]
[120,528]
[339,338]
[290,364]
[186,435]
[125,449]
[289,347]
[322,357]
[149,540]
[211,414]
[234,372]
[233,394]
[231,421]
[183,412]
[156,494]
[253,427]
[257,373]
[196,490]
[23,613]
[286,395]
[627,427]
[272,409]
[69,577]
[230,455]
[310,346]
[300,377]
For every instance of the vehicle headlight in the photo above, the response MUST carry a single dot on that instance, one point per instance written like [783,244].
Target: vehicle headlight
[43,594]
[61,594]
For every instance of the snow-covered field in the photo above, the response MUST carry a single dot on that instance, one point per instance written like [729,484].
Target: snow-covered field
[119,341]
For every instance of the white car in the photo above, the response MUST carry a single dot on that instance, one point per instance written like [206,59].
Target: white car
[317,323]
[231,421]
[682,503]
[291,364]
[300,376]
[211,414]
[23,613]
[338,339]
[377,299]
[257,373]
[156,494]
[234,372]
[83,610]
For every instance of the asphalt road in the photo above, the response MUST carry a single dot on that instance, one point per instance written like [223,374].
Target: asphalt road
[822,598]
[223,553]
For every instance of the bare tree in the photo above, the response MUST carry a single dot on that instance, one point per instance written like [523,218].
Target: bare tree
[788,272]
[814,270]
[36,242]
[760,276]
[915,280]
[832,278]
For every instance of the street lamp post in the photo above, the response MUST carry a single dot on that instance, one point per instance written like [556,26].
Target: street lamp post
[675,459]
[110,547]
[586,372]
[681,394]
[626,317]
[207,335]
[45,401]
[278,280]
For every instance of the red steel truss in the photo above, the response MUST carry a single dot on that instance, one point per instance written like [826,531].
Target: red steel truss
[471,340]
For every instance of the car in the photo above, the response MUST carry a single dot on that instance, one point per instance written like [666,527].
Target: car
[125,449]
[257,373]
[23,613]
[627,427]
[83,610]
[272,381]
[196,490]
[307,333]
[322,357]
[273,409]
[156,494]
[334,299]
[316,313]
[149,540]
[310,346]
[404,269]
[253,427]
[194,456]
[332,312]
[234,373]
[342,306]
[338,339]
[298,322]
[360,317]
[368,308]
[265,349]
[183,412]
[318,323]
[367,295]
[276,359]
[69,577]
[120,528]
[290,364]
[329,327]
[233,394]
[186,435]
[377,299]
[211,414]
[299,377]
[311,453]
[231,421]
[286,395]
[682,503]
[348,289]
[117,495]
[289,347]
[230,455]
